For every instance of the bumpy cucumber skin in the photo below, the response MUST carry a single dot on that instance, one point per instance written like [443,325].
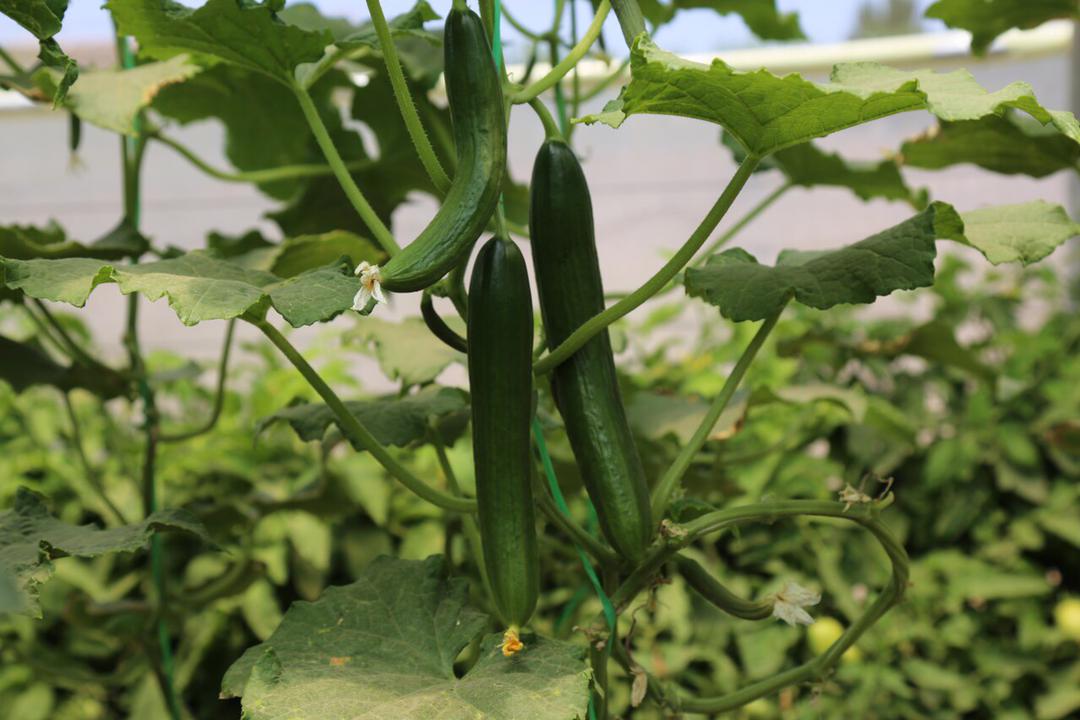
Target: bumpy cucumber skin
[500,325]
[586,388]
[476,111]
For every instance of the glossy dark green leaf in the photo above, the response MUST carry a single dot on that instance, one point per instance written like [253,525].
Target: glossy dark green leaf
[761,16]
[986,19]
[767,113]
[393,420]
[900,258]
[30,538]
[23,365]
[198,287]
[240,33]
[383,648]
[1012,145]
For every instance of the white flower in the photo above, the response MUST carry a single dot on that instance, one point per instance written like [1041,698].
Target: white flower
[788,604]
[370,286]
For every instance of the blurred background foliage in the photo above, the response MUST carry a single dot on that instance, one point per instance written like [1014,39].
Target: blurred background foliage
[971,414]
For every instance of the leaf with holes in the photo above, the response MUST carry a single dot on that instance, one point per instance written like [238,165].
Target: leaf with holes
[383,648]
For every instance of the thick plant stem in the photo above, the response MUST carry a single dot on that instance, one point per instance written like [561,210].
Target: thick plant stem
[656,283]
[355,431]
[631,20]
[363,208]
[865,516]
[765,203]
[571,60]
[268,175]
[404,100]
[219,394]
[670,480]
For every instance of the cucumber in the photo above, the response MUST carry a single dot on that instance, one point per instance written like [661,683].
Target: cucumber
[712,590]
[500,327]
[476,111]
[585,387]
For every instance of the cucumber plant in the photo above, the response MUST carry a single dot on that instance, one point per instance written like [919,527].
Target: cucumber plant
[410,638]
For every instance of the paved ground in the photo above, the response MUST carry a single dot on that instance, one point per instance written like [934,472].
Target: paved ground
[652,181]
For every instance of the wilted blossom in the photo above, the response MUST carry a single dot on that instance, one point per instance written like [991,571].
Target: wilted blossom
[370,287]
[788,604]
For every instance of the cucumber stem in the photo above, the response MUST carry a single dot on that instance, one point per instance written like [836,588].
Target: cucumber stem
[551,128]
[363,208]
[219,394]
[590,328]
[266,175]
[354,430]
[670,480]
[568,63]
[404,100]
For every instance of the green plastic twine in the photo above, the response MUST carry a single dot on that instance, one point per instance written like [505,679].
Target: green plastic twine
[560,501]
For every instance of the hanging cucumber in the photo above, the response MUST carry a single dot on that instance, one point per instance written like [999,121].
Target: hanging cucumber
[476,111]
[585,386]
[500,327]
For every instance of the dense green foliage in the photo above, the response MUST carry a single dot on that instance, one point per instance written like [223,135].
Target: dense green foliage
[903,480]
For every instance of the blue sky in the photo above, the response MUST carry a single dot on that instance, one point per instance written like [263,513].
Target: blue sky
[693,31]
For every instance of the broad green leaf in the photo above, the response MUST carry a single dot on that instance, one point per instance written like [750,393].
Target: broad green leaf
[30,538]
[986,19]
[766,113]
[388,181]
[393,420]
[24,242]
[198,286]
[1011,145]
[761,16]
[807,165]
[111,99]
[383,648]
[233,31]
[294,256]
[43,19]
[656,415]
[23,365]
[406,351]
[264,126]
[1023,233]
[900,258]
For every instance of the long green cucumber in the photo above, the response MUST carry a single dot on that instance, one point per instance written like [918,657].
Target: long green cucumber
[476,111]
[585,386]
[712,590]
[500,327]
